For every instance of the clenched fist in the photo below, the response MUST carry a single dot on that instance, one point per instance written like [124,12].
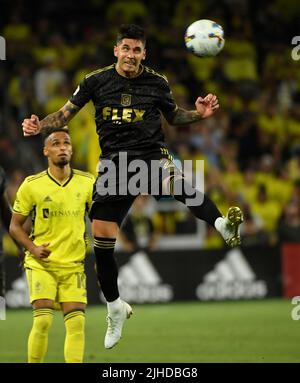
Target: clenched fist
[31,126]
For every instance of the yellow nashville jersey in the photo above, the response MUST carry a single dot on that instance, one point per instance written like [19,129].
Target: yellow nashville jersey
[58,216]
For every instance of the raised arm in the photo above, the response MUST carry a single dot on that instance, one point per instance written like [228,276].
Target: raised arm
[32,126]
[205,107]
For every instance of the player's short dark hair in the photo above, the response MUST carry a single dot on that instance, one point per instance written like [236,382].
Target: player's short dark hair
[48,131]
[131,31]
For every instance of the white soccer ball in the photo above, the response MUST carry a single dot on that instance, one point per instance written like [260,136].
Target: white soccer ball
[204,38]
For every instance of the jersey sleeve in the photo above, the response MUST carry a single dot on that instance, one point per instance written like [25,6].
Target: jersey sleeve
[23,203]
[167,104]
[84,92]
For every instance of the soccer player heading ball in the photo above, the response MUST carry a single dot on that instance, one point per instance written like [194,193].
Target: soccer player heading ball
[128,98]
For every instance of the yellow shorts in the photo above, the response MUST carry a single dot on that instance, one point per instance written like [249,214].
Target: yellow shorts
[59,286]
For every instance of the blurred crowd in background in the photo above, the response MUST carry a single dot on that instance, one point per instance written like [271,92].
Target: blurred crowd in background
[251,146]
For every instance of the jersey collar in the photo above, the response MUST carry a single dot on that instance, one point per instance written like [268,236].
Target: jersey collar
[130,78]
[65,183]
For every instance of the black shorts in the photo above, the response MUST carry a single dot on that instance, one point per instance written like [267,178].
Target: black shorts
[120,181]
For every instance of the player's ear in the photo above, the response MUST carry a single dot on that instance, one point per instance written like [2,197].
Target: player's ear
[144,55]
[116,51]
[45,150]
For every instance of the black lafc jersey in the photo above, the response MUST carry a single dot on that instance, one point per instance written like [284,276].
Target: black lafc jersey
[127,109]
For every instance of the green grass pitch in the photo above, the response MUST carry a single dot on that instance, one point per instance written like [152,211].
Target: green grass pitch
[244,331]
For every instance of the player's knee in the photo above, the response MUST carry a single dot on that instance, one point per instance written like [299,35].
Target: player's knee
[104,229]
[43,324]
[42,321]
[75,322]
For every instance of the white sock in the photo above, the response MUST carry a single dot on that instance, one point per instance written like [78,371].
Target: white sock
[219,223]
[114,305]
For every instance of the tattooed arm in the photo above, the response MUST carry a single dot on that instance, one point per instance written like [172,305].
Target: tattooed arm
[205,107]
[183,116]
[60,118]
[33,126]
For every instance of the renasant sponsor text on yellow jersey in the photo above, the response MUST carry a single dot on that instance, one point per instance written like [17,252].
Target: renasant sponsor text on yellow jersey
[58,213]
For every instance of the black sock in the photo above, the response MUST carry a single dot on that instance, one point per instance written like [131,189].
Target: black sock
[206,210]
[107,269]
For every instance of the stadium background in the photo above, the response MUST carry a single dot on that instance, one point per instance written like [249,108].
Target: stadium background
[251,149]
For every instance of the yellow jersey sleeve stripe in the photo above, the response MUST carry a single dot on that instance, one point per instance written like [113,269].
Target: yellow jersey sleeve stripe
[100,70]
[36,176]
[84,174]
[149,70]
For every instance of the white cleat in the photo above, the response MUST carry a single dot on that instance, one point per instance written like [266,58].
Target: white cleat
[229,226]
[115,324]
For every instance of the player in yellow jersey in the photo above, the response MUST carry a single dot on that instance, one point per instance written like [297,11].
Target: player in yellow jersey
[57,201]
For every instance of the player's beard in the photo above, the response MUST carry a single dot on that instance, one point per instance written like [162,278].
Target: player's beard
[61,162]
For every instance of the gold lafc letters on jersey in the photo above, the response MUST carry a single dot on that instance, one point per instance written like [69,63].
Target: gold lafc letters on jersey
[124,115]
